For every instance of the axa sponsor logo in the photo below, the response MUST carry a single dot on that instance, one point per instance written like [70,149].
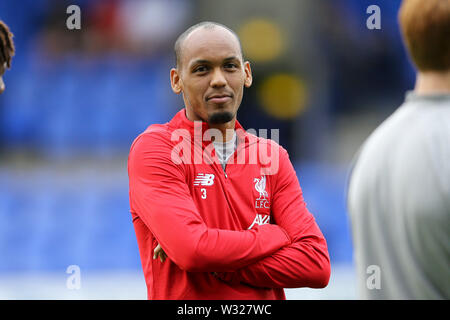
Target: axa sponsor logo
[260,185]
[260,219]
[204,179]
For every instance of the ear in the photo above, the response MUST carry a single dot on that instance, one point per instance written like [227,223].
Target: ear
[175,81]
[248,74]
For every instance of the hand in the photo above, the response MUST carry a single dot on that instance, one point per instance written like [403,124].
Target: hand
[229,277]
[159,252]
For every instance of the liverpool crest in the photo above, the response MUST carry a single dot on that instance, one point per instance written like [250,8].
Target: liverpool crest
[260,186]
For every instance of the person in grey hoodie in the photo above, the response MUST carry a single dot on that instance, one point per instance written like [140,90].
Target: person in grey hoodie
[398,195]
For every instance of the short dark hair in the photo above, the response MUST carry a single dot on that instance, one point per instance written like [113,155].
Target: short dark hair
[206,25]
[425,27]
[7,49]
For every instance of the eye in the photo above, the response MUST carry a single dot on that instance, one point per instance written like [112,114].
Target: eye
[201,68]
[230,65]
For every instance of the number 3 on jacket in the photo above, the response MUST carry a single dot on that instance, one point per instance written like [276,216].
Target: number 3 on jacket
[203,190]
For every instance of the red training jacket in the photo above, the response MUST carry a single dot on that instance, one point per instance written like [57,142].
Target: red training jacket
[240,234]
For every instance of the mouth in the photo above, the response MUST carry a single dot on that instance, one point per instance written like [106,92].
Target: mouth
[219,98]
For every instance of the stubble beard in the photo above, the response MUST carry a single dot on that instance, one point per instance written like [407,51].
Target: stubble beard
[220,117]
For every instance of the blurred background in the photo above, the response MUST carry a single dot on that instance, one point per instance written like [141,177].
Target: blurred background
[76,99]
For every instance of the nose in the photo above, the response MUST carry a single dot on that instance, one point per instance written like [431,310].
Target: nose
[218,80]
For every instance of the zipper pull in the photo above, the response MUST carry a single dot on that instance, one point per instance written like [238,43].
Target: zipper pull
[226,176]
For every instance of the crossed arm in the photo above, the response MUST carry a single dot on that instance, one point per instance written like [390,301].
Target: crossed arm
[262,257]
[302,263]
[161,197]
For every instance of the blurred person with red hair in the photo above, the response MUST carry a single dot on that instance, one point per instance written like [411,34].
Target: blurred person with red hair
[7,51]
[399,190]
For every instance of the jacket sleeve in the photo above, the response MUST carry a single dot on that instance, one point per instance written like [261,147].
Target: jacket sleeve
[161,198]
[303,263]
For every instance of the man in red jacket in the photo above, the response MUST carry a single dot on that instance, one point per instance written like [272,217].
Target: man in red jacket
[224,206]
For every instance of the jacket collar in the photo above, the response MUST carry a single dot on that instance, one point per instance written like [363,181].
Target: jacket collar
[180,121]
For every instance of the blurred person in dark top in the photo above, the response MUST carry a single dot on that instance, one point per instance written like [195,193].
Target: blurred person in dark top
[7,51]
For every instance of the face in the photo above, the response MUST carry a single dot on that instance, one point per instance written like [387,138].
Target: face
[2,72]
[211,75]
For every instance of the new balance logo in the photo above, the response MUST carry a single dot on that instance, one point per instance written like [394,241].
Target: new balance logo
[260,220]
[204,179]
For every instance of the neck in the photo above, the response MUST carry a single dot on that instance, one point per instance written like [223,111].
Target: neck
[432,82]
